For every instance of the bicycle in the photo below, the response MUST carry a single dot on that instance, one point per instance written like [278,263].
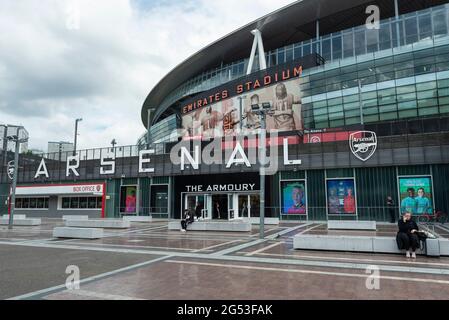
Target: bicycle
[436,216]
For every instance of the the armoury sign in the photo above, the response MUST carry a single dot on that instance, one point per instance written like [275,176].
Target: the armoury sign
[363,144]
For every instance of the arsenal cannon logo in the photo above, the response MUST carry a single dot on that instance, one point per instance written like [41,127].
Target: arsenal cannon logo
[11,169]
[363,144]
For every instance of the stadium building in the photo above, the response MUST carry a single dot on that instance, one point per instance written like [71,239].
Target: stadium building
[356,109]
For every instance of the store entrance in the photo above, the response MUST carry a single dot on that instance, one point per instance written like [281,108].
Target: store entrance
[220,207]
[249,205]
[223,206]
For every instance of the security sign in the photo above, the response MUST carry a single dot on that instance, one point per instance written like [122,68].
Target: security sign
[11,169]
[363,144]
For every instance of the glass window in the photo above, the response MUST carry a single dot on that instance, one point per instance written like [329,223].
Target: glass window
[65,203]
[26,203]
[33,203]
[99,202]
[427,103]
[359,41]
[428,111]
[427,94]
[384,37]
[289,55]
[388,116]
[336,48]
[407,105]
[18,203]
[425,27]
[326,49]
[348,45]
[306,49]
[92,203]
[411,30]
[74,203]
[372,40]
[408,113]
[297,52]
[40,203]
[281,56]
[439,22]
[83,203]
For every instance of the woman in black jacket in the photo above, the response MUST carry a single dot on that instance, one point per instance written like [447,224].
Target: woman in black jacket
[407,236]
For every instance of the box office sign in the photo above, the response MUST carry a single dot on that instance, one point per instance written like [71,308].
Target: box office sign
[82,189]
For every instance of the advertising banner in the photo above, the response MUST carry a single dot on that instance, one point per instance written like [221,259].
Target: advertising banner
[128,202]
[341,196]
[416,195]
[227,116]
[293,194]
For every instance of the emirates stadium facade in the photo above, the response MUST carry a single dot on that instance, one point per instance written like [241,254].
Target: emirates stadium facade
[355,109]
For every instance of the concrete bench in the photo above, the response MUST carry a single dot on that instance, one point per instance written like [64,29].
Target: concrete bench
[104,223]
[137,218]
[348,243]
[234,226]
[268,221]
[28,222]
[16,216]
[351,225]
[74,217]
[444,247]
[77,233]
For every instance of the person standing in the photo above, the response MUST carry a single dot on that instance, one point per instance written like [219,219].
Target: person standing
[198,210]
[391,209]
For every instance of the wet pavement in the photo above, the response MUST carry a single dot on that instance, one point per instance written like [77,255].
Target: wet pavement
[148,261]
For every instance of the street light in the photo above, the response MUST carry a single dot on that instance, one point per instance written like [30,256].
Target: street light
[15,138]
[241,98]
[76,134]
[262,112]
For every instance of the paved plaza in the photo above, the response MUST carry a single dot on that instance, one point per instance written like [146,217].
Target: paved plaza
[149,262]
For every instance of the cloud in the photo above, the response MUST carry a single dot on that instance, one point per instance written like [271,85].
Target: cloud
[98,60]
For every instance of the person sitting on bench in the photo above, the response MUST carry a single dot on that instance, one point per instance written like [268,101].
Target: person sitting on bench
[186,220]
[407,236]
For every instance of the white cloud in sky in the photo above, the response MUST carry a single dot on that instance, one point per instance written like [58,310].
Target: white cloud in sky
[52,72]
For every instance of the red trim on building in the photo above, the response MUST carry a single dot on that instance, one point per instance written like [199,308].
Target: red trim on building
[103,202]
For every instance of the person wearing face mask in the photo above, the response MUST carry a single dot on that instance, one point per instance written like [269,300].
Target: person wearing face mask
[407,237]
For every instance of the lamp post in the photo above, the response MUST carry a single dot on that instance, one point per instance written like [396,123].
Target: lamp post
[76,134]
[262,112]
[18,141]
[241,111]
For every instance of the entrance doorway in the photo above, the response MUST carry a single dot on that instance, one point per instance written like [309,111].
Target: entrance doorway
[249,205]
[220,206]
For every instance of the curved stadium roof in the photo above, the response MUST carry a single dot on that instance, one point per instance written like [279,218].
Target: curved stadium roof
[293,23]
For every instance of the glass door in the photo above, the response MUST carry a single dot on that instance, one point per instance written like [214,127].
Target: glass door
[199,205]
[243,201]
[207,207]
[254,202]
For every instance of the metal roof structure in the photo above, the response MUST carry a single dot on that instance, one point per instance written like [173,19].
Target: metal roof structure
[290,24]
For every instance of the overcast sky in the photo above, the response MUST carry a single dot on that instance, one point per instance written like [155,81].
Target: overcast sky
[55,67]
